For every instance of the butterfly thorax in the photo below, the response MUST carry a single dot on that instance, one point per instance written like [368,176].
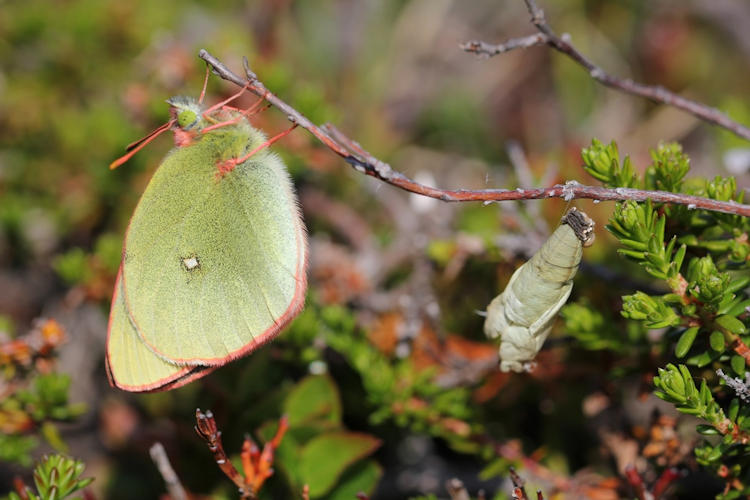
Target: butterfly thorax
[192,125]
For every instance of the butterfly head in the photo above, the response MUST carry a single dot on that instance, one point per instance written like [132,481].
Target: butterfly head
[187,112]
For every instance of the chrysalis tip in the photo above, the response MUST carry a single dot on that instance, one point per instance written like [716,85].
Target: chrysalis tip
[582,225]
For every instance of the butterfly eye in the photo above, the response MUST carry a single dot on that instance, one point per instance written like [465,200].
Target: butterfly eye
[187,118]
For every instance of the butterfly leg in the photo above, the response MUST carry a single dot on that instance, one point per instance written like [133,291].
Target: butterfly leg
[219,105]
[243,113]
[228,165]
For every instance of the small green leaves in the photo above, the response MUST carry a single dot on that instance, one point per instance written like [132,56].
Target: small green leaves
[706,283]
[653,311]
[707,298]
[640,229]
[676,386]
[17,448]
[666,172]
[669,167]
[721,188]
[56,478]
[603,163]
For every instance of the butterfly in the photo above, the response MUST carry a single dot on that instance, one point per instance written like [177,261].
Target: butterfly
[214,259]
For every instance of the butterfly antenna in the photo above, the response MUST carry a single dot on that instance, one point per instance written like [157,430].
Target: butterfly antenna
[136,146]
[205,84]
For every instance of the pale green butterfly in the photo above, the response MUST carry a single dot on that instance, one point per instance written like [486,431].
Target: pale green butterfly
[214,258]
[522,315]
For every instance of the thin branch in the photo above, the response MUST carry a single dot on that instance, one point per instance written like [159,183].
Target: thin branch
[364,162]
[488,50]
[519,491]
[456,489]
[160,458]
[207,429]
[562,44]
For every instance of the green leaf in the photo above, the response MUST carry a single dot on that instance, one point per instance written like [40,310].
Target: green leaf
[738,365]
[738,284]
[734,408]
[716,340]
[325,458]
[731,324]
[362,477]
[701,359]
[685,342]
[706,430]
[52,436]
[314,399]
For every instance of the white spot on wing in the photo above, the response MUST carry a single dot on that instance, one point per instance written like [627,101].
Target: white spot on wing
[191,262]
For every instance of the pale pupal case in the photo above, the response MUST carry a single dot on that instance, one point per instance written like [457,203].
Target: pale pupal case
[522,315]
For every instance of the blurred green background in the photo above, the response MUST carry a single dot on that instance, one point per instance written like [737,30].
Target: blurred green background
[80,79]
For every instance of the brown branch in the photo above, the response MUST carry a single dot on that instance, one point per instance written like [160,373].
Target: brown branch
[636,482]
[160,458]
[665,480]
[364,162]
[488,50]
[519,491]
[562,44]
[206,429]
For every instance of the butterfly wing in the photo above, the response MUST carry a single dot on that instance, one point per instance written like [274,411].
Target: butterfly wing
[214,265]
[130,365]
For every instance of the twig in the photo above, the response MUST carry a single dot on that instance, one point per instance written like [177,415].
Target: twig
[636,482]
[20,488]
[174,487]
[456,489]
[519,491]
[488,50]
[365,163]
[206,429]
[562,44]
[665,480]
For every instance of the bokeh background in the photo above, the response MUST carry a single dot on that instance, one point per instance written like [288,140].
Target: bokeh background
[390,335]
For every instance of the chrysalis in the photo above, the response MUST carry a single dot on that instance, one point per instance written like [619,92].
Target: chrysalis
[522,315]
